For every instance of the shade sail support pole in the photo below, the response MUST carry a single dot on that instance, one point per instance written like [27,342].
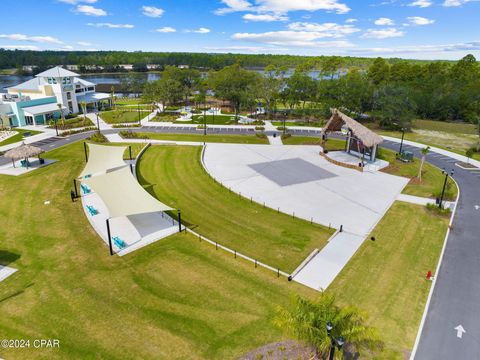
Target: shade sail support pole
[109,237]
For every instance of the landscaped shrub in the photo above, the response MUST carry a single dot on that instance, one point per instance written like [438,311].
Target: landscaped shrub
[261,135]
[439,211]
[260,128]
[128,134]
[126,125]
[78,131]
[286,136]
[98,137]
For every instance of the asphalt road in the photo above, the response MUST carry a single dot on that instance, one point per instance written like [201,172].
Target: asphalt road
[456,298]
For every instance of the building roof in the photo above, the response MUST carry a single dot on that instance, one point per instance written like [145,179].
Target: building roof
[31,85]
[83,82]
[364,134]
[57,71]
[92,97]
[42,109]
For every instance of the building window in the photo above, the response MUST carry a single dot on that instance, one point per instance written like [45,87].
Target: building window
[69,96]
[29,120]
[91,88]
[70,106]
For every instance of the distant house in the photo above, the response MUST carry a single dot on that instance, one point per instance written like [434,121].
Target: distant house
[36,101]
[128,67]
[152,66]
[183,66]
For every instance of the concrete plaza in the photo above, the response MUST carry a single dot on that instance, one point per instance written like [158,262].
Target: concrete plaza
[297,180]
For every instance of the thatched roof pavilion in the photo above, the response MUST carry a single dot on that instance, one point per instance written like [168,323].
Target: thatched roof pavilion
[360,139]
[23,151]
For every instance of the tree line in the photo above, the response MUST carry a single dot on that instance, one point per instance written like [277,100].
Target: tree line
[392,94]
[89,61]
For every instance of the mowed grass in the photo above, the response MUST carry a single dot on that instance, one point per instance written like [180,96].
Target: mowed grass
[18,137]
[220,138]
[176,177]
[123,116]
[175,299]
[432,178]
[386,277]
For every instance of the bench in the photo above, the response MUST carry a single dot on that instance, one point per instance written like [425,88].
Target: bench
[119,242]
[91,210]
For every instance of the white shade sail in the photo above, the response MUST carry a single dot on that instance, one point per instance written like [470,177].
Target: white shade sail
[102,158]
[123,195]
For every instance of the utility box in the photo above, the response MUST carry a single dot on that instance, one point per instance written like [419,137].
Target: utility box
[406,156]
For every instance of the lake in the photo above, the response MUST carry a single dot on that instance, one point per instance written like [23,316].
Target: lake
[11,80]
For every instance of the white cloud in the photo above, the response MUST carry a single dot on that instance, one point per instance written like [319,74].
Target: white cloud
[421,3]
[75,2]
[20,47]
[265,17]
[166,29]
[67,47]
[84,43]
[282,7]
[90,10]
[383,33]
[290,38]
[431,49]
[453,3]
[326,30]
[112,26]
[418,20]
[152,11]
[37,39]
[383,21]
[202,30]
[351,21]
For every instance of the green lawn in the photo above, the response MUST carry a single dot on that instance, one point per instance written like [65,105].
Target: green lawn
[455,137]
[432,177]
[74,123]
[18,137]
[386,277]
[237,139]
[129,101]
[214,119]
[176,177]
[121,116]
[175,299]
[166,117]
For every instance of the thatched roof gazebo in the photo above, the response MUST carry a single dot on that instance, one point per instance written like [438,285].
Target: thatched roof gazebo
[23,151]
[361,141]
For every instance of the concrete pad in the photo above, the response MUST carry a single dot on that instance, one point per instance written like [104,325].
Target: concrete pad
[320,272]
[5,272]
[136,231]
[350,198]
[8,168]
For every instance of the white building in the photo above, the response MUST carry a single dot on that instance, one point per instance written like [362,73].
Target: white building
[36,101]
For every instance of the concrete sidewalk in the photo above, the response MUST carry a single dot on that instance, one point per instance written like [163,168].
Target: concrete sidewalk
[275,140]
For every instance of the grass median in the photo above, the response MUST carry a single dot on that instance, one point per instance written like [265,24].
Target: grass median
[176,177]
[220,138]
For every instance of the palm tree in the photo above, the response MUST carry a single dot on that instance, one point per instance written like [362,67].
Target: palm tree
[62,115]
[306,320]
[424,151]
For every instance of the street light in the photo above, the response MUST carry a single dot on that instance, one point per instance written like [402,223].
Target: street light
[444,186]
[204,119]
[98,121]
[401,142]
[335,342]
[138,111]
[284,119]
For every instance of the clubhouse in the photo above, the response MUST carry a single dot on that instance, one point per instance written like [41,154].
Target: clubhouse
[39,100]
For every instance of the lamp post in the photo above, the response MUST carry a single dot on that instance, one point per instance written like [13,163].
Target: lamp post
[284,120]
[401,142]
[138,111]
[336,342]
[98,121]
[204,119]
[444,186]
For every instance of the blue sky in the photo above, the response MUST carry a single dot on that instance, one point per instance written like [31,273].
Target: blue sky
[423,29]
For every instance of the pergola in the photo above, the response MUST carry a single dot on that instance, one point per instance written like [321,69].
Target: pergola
[23,151]
[110,177]
[361,141]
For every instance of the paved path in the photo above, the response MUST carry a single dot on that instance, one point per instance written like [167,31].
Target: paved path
[422,200]
[275,140]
